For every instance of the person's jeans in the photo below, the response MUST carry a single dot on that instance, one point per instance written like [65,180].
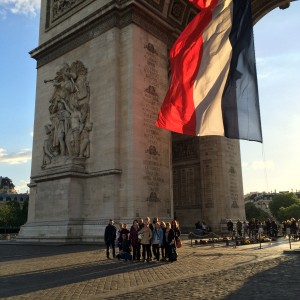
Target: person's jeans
[155,250]
[146,250]
[136,252]
[112,245]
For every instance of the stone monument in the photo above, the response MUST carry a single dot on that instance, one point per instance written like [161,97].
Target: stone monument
[102,74]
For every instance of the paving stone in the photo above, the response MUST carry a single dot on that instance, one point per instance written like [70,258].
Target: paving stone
[201,272]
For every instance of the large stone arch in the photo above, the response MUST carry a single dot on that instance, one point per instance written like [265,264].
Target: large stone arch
[123,47]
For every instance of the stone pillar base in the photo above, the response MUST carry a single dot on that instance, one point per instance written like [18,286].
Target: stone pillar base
[62,232]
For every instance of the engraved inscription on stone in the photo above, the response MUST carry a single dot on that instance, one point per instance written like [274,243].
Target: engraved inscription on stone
[185,149]
[153,197]
[207,185]
[186,186]
[69,114]
[152,134]
[231,153]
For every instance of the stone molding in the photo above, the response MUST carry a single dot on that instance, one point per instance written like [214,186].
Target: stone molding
[67,174]
[117,14]
[120,13]
[60,10]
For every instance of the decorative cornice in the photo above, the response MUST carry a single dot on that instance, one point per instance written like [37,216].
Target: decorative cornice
[73,8]
[58,11]
[163,19]
[117,14]
[68,174]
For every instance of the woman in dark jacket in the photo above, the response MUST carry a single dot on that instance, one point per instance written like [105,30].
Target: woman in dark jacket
[175,227]
[163,245]
[170,243]
[134,240]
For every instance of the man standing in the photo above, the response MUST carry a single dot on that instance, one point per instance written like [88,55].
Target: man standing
[239,226]
[230,227]
[110,237]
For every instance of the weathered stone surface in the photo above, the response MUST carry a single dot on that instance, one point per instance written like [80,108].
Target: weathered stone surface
[129,171]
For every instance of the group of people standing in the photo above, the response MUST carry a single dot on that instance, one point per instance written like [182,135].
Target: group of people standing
[144,241]
[253,228]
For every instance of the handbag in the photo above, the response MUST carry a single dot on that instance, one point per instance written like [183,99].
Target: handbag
[178,243]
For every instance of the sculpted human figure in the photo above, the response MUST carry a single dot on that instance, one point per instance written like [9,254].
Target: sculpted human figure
[61,127]
[69,112]
[85,141]
[47,147]
[73,134]
[64,87]
[82,94]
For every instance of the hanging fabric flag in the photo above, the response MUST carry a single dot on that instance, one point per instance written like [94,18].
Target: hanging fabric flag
[213,89]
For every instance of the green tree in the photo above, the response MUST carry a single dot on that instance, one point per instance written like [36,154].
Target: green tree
[282,200]
[15,213]
[12,215]
[24,212]
[286,213]
[254,212]
[5,215]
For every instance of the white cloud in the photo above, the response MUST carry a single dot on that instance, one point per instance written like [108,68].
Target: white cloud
[258,165]
[245,164]
[21,186]
[272,67]
[20,157]
[25,7]
[2,14]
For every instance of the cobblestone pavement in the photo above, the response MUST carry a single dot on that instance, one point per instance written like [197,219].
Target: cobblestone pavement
[201,272]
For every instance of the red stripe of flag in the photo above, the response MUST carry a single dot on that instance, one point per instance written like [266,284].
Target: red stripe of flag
[178,111]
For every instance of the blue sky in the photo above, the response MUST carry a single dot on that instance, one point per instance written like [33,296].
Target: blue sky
[273,165]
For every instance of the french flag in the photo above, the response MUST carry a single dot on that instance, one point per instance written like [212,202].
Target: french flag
[213,89]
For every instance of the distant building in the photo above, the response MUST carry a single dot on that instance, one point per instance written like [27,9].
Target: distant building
[8,192]
[255,196]
[262,199]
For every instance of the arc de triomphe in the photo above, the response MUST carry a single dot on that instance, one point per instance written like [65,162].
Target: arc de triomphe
[102,73]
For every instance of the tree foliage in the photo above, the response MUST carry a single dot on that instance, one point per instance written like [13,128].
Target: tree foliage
[287,213]
[13,215]
[254,212]
[6,184]
[282,200]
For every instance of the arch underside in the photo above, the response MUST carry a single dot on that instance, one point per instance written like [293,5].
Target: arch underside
[261,7]
[171,17]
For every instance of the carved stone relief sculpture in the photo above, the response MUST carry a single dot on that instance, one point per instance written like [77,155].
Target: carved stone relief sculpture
[69,128]
[59,7]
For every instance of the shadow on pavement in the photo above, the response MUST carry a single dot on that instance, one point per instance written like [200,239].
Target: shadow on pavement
[10,252]
[20,284]
[280,282]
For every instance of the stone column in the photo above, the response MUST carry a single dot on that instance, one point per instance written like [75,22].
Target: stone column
[96,151]
[221,181]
